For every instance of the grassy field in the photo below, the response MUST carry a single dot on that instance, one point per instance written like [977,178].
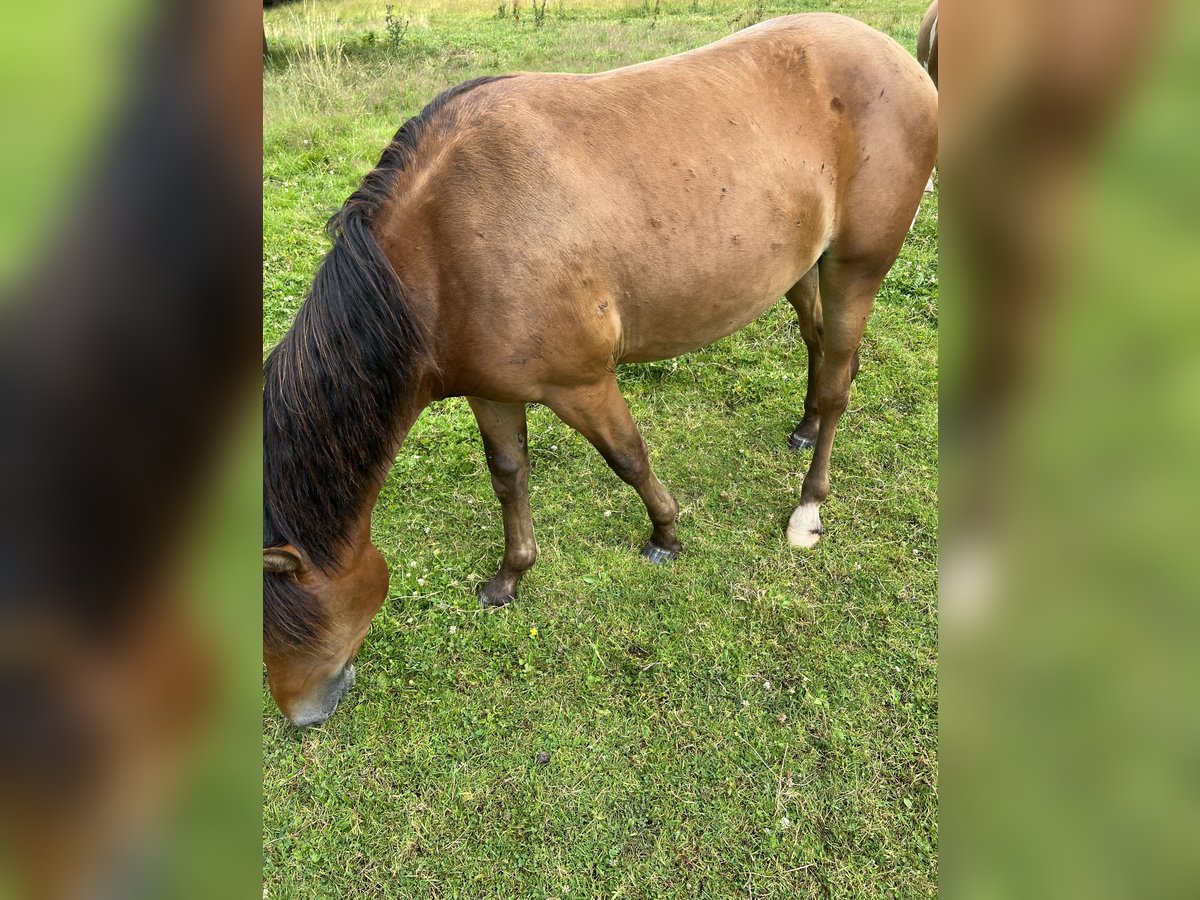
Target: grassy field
[745,722]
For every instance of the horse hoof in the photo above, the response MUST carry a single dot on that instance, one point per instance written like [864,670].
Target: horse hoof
[804,527]
[803,539]
[656,554]
[493,600]
[800,443]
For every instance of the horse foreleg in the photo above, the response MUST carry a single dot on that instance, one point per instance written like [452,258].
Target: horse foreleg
[600,414]
[505,441]
[848,300]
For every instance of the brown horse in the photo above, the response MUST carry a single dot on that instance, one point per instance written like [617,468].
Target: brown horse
[523,236]
[927,42]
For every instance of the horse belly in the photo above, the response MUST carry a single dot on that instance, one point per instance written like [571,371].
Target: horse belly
[689,300]
[663,330]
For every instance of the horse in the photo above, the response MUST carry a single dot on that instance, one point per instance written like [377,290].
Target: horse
[927,56]
[927,42]
[526,234]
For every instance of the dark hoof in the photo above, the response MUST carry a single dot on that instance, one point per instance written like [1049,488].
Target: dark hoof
[796,442]
[657,554]
[493,599]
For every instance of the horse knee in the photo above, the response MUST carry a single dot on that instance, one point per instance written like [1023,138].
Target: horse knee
[834,401]
[507,471]
[632,467]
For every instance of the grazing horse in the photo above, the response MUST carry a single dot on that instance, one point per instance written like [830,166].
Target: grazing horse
[523,236]
[927,42]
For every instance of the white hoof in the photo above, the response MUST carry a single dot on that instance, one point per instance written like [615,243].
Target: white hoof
[804,527]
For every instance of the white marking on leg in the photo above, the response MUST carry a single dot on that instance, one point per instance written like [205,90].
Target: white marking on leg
[804,527]
[932,44]
[969,582]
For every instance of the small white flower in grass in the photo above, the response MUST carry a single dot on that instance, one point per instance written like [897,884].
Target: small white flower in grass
[745,703]
[897,668]
[607,513]
[421,582]
[454,629]
[412,563]
[766,685]
[554,446]
[785,823]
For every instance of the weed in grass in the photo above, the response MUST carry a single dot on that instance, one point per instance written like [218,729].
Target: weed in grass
[396,29]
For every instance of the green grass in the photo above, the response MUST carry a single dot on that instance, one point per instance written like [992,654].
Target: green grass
[689,709]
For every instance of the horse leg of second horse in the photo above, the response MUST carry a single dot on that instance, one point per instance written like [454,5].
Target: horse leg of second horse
[600,414]
[505,441]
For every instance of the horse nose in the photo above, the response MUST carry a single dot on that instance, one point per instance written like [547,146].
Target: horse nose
[324,706]
[307,720]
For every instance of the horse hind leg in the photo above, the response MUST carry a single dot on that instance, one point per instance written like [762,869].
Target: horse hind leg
[805,297]
[849,294]
[600,414]
[505,442]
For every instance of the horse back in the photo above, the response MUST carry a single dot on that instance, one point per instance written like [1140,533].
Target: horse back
[649,210]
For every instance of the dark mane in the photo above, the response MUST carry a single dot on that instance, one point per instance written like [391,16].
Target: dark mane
[333,391]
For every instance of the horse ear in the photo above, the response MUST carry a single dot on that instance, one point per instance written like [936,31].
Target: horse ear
[281,560]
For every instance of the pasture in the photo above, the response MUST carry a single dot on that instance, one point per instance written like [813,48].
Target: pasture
[748,721]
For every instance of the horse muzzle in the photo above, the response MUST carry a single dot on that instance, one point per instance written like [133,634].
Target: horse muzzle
[331,695]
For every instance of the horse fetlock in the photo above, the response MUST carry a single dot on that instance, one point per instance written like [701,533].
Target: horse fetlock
[665,518]
[521,559]
[804,527]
